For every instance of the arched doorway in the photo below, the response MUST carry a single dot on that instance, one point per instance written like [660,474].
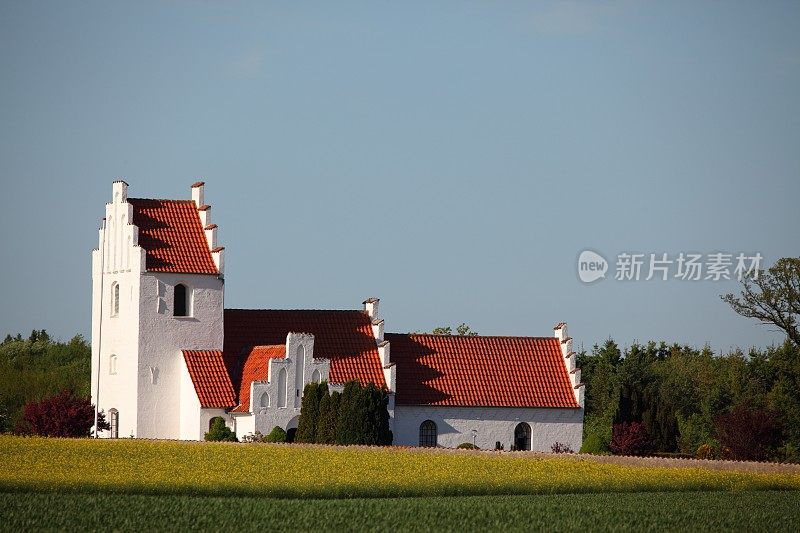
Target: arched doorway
[522,436]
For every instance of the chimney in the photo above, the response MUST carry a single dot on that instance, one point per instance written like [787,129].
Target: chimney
[377,329]
[205,215]
[211,235]
[119,191]
[218,255]
[197,193]
[371,307]
[560,331]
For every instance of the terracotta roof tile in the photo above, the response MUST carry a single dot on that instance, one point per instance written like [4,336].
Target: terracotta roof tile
[480,371]
[343,337]
[256,368]
[210,378]
[171,233]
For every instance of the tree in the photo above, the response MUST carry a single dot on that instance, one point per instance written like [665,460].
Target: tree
[328,417]
[62,415]
[219,431]
[350,422]
[307,425]
[463,330]
[773,297]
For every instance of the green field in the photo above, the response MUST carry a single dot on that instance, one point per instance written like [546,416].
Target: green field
[677,511]
[69,483]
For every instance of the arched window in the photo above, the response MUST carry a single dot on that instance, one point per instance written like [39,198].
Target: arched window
[112,364]
[282,388]
[113,421]
[181,304]
[114,299]
[264,402]
[300,361]
[316,377]
[427,434]
[522,436]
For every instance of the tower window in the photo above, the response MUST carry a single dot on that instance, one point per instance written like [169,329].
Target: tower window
[113,420]
[114,299]
[112,364]
[181,304]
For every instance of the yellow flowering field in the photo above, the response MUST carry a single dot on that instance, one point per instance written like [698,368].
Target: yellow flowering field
[171,467]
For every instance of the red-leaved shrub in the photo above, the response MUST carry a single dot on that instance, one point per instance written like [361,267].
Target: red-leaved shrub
[629,438]
[748,434]
[62,415]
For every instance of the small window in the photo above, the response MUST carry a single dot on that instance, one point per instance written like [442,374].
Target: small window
[112,364]
[113,421]
[316,377]
[427,434]
[264,400]
[114,299]
[181,304]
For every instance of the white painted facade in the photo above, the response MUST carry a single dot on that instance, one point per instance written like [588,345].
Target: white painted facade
[138,368]
[486,426]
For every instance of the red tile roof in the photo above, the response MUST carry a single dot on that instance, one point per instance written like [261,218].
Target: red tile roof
[256,368]
[210,378]
[480,371]
[343,337]
[171,233]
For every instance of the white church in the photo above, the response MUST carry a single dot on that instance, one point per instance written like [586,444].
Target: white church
[168,357]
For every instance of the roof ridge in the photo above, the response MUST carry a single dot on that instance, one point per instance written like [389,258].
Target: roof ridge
[472,336]
[307,310]
[163,200]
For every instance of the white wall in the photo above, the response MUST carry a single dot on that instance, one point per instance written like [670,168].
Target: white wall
[190,428]
[455,424]
[122,263]
[162,337]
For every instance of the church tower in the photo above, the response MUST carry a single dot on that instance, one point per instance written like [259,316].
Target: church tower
[157,289]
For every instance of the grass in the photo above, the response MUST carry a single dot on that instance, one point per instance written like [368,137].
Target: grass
[291,471]
[676,511]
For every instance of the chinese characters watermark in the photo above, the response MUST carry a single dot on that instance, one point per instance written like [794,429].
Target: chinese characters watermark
[662,266]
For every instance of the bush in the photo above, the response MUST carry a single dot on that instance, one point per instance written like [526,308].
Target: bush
[254,437]
[595,444]
[277,435]
[705,451]
[693,432]
[219,432]
[62,415]
[557,447]
[629,438]
[467,446]
[748,434]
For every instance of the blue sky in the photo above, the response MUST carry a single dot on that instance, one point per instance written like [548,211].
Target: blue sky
[451,158]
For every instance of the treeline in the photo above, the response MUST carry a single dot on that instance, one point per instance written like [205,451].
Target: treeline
[657,398]
[38,367]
